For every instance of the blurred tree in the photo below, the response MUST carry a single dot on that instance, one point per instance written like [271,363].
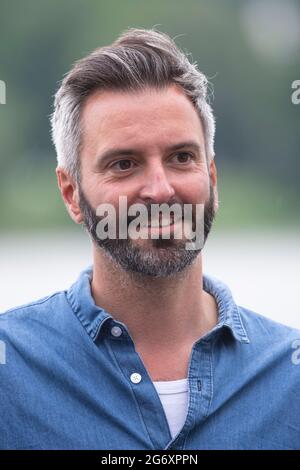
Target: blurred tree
[257,124]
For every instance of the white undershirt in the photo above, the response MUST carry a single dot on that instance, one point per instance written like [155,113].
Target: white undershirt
[174,398]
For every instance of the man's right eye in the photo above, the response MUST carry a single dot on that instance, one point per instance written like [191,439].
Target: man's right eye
[122,165]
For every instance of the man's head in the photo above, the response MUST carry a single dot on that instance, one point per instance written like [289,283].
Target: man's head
[132,120]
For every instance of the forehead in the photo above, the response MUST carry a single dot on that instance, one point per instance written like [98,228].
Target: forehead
[144,117]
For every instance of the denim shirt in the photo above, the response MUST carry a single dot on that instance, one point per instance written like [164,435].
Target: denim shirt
[72,379]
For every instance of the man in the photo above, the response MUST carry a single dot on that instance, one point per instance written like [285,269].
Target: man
[144,351]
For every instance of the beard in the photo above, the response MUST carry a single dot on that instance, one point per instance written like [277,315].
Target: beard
[155,258]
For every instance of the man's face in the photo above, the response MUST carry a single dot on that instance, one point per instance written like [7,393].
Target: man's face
[148,146]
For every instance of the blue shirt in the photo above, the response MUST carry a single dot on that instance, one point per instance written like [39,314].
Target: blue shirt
[71,379]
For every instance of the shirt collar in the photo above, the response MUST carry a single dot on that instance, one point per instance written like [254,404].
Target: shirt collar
[93,317]
[228,311]
[80,298]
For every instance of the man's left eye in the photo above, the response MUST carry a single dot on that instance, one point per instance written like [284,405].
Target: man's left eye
[183,157]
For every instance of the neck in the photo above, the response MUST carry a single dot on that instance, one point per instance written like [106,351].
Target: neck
[161,314]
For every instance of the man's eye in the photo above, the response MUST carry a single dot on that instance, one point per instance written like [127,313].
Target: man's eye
[183,157]
[122,165]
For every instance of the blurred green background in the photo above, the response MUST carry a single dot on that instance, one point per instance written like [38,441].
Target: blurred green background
[250,50]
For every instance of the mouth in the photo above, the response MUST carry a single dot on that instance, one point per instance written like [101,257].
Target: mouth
[163,222]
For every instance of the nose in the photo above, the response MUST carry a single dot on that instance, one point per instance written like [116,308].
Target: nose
[156,187]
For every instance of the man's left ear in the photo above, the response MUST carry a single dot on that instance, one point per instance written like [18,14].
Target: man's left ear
[214,181]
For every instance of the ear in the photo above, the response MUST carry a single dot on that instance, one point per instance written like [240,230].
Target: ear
[69,192]
[214,181]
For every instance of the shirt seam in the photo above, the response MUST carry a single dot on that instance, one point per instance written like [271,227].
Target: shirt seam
[31,304]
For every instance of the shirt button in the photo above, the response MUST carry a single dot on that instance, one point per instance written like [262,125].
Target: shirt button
[135,378]
[116,331]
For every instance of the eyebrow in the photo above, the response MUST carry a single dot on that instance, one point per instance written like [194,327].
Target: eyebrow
[119,152]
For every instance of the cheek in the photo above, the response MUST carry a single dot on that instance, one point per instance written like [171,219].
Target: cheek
[101,193]
[122,191]
[194,190]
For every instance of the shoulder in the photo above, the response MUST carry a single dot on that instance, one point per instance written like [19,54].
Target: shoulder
[37,312]
[262,327]
[30,333]
[272,342]
[30,306]
[36,306]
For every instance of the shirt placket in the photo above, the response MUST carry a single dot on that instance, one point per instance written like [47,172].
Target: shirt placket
[150,410]
[200,392]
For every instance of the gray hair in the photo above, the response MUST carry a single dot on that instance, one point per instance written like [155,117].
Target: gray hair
[138,59]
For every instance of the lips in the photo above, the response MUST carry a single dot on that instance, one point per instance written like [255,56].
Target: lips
[158,222]
[160,225]
[163,222]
